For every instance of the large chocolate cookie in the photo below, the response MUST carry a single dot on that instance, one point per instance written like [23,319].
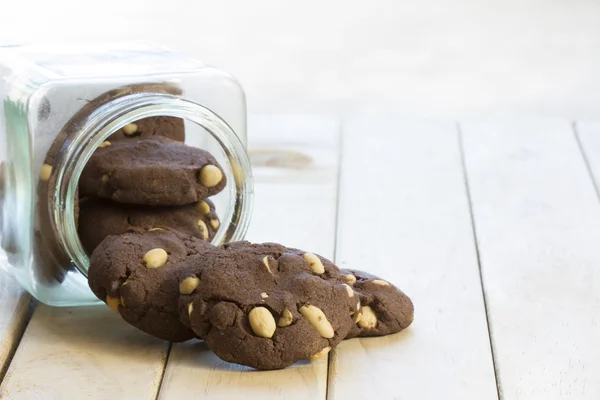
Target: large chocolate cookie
[266,305]
[138,274]
[154,172]
[100,218]
[169,127]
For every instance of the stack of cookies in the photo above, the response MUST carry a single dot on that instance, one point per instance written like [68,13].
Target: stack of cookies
[145,177]
[146,218]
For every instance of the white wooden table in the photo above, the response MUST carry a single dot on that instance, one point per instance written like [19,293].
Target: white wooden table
[493,228]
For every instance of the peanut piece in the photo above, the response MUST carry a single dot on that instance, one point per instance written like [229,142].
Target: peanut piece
[318,320]
[368,319]
[188,285]
[264,295]
[314,263]
[203,229]
[349,290]
[265,261]
[155,258]
[113,303]
[210,175]
[349,279]
[262,322]
[380,282]
[286,318]
[202,207]
[45,172]
[215,223]
[321,353]
[104,144]
[190,309]
[130,129]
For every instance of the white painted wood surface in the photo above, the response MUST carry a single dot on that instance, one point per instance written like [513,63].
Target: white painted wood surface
[14,306]
[295,163]
[537,220]
[85,352]
[538,227]
[404,215]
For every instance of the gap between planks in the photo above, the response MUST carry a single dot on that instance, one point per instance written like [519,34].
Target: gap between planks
[588,129]
[340,146]
[478,255]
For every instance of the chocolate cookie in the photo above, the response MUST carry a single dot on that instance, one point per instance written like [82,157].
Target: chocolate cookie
[154,172]
[384,309]
[138,275]
[100,218]
[169,127]
[266,305]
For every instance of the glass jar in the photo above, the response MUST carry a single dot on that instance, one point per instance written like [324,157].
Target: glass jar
[59,104]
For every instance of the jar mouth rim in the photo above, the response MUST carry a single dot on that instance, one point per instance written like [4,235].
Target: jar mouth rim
[108,118]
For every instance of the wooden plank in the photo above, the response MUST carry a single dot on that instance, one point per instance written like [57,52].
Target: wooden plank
[538,226]
[84,352]
[404,215]
[14,312]
[295,163]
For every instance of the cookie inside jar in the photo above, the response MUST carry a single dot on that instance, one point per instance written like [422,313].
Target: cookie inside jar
[149,181]
[140,171]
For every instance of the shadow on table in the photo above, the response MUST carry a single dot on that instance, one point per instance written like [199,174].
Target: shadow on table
[195,353]
[93,328]
[98,329]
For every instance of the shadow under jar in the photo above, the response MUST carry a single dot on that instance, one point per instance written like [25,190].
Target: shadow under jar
[59,104]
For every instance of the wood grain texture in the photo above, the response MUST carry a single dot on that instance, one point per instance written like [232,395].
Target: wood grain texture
[14,312]
[295,162]
[538,227]
[84,352]
[404,215]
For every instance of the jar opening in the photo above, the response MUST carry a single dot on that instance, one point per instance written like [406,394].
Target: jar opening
[107,119]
